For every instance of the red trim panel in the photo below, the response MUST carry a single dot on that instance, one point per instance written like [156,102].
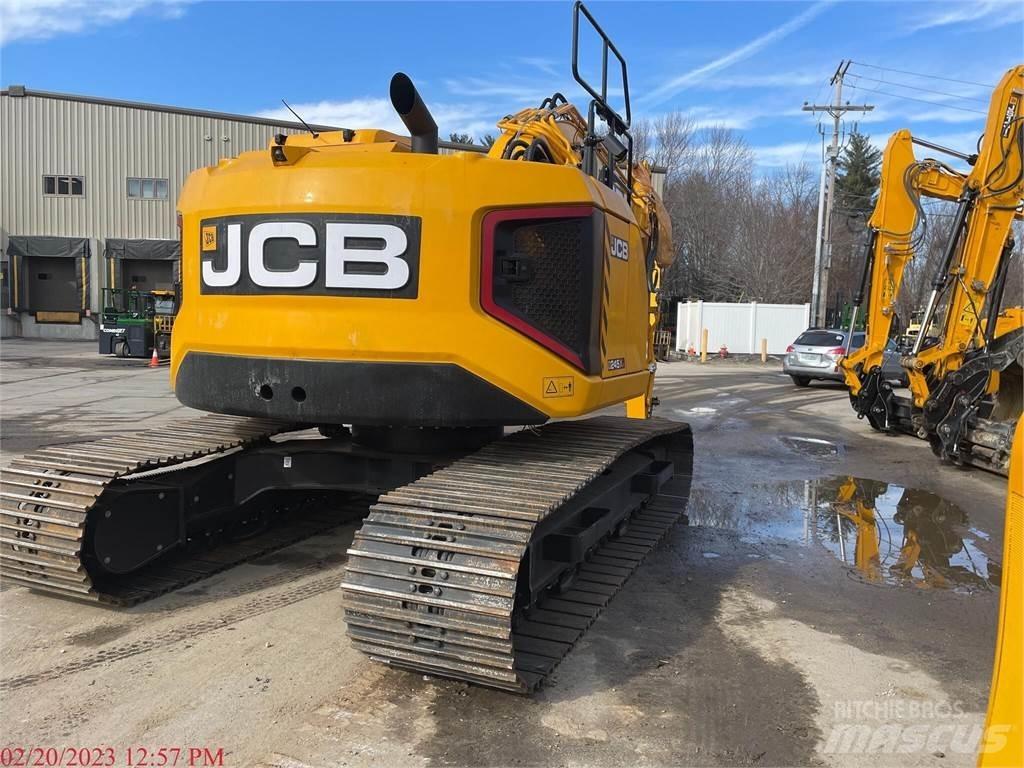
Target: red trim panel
[490,223]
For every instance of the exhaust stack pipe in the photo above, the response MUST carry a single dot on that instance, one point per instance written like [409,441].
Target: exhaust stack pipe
[414,113]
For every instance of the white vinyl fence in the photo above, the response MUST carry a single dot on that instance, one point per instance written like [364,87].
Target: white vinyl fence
[740,327]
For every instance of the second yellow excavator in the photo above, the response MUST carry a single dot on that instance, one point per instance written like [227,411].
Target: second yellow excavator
[966,386]
[894,232]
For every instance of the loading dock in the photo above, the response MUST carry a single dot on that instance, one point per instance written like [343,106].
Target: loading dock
[50,277]
[143,264]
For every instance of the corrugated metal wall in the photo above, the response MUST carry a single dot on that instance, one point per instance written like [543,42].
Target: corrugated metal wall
[106,145]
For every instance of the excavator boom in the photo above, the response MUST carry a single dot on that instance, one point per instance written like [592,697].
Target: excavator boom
[965,389]
[968,385]
[894,231]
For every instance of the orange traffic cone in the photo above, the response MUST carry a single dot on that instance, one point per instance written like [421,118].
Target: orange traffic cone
[154,361]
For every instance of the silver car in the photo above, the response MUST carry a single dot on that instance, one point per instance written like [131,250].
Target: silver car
[816,353]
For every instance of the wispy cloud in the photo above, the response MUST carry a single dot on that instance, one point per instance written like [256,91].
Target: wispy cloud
[760,80]
[515,92]
[985,13]
[42,19]
[378,113]
[745,51]
[547,66]
[737,117]
[781,155]
[949,116]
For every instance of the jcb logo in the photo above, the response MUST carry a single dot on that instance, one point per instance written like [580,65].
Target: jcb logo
[620,248]
[323,254]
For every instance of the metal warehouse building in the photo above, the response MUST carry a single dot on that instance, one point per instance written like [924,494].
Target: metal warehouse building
[88,196]
[88,191]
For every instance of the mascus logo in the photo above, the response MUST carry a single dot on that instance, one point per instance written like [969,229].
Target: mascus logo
[311,254]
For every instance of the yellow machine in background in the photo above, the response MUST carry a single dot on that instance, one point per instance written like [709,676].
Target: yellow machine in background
[966,389]
[412,306]
[965,420]
[894,232]
[1003,740]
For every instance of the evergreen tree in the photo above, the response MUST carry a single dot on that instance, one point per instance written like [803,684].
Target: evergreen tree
[857,175]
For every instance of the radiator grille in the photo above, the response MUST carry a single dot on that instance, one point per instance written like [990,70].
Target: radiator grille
[553,296]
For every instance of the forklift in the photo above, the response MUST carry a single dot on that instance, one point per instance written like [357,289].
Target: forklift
[133,323]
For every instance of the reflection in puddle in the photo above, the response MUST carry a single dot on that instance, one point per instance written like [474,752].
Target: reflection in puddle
[887,533]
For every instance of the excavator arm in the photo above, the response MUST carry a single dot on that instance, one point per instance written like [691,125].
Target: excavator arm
[952,381]
[895,228]
[985,212]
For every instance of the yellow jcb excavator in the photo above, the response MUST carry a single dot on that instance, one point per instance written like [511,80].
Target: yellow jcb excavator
[969,384]
[894,231]
[966,389]
[413,306]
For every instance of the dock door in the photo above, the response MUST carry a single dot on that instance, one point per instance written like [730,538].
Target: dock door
[50,277]
[143,265]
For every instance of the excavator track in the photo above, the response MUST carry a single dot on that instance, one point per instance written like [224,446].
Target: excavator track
[435,579]
[48,496]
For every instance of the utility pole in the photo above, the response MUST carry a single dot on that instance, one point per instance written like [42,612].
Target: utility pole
[826,192]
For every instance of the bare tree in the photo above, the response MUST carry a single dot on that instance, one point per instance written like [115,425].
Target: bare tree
[702,202]
[666,141]
[774,244]
[738,237]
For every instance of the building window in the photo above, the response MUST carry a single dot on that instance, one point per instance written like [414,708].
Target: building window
[64,186]
[147,189]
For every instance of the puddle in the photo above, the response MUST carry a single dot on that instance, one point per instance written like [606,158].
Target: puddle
[885,533]
[811,446]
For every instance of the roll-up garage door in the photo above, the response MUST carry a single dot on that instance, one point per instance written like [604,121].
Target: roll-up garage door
[50,276]
[145,265]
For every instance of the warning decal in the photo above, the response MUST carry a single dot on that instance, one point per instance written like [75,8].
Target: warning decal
[557,386]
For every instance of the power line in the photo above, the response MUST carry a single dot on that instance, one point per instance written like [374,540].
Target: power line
[911,98]
[918,88]
[921,74]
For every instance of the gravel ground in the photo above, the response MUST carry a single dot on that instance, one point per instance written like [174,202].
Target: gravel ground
[757,635]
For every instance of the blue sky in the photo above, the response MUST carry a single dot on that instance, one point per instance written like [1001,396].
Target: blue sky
[747,65]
